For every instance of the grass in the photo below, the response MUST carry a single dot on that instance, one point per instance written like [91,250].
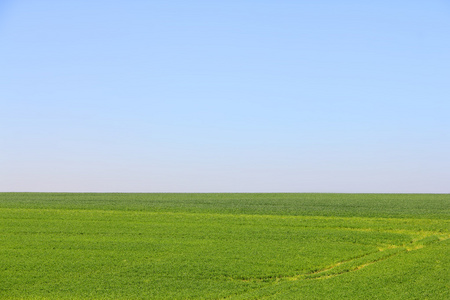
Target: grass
[224,246]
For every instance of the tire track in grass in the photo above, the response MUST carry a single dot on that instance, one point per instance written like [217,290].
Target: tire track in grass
[280,283]
[340,268]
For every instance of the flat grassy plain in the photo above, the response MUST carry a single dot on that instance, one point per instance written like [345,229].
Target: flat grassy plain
[224,246]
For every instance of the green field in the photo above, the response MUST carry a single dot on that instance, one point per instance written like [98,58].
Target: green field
[224,246]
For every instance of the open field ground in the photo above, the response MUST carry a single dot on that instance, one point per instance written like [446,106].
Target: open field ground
[224,246]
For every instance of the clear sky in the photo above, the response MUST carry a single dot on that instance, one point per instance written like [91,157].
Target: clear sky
[225,96]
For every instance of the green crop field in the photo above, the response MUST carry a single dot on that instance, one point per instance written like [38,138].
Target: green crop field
[224,246]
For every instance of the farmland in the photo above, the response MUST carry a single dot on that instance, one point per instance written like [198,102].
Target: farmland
[224,246]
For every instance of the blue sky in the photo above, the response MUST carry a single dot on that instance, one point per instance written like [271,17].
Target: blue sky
[225,96]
